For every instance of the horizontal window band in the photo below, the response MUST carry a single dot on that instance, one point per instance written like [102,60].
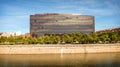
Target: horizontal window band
[63,26]
[60,32]
[60,28]
[59,16]
[60,23]
[79,18]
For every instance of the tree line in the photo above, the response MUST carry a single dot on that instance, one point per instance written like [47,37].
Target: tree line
[73,38]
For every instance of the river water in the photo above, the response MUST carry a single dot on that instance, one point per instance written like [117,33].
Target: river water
[61,60]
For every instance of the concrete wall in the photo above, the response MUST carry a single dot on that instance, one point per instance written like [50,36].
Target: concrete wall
[43,49]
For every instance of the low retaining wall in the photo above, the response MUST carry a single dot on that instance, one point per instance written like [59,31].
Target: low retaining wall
[48,49]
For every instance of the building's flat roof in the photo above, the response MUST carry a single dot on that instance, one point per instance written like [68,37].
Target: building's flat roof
[59,14]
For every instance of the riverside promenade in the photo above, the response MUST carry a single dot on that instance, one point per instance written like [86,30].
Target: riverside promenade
[59,48]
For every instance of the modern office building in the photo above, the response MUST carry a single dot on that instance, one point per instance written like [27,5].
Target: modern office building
[54,23]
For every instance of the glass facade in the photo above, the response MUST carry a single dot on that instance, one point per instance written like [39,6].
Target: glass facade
[41,24]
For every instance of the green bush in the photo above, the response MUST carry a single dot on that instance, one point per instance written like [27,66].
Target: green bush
[106,37]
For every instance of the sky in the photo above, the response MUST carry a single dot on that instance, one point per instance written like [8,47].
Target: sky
[15,14]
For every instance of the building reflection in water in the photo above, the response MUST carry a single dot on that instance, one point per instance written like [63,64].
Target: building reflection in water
[61,60]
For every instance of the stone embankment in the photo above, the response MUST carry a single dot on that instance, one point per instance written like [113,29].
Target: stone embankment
[59,48]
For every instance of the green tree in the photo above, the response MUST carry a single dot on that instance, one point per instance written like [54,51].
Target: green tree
[18,39]
[74,37]
[104,37]
[32,40]
[3,39]
[11,40]
[46,39]
[114,37]
[41,40]
[86,38]
[95,37]
[79,37]
[25,40]
[67,39]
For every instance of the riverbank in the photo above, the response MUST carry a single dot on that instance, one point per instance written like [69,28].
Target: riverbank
[59,48]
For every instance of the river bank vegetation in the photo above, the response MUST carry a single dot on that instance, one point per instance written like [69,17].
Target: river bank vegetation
[73,38]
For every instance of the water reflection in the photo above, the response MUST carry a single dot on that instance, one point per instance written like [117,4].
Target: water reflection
[61,60]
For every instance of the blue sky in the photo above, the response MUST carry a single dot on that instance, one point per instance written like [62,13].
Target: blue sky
[14,14]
